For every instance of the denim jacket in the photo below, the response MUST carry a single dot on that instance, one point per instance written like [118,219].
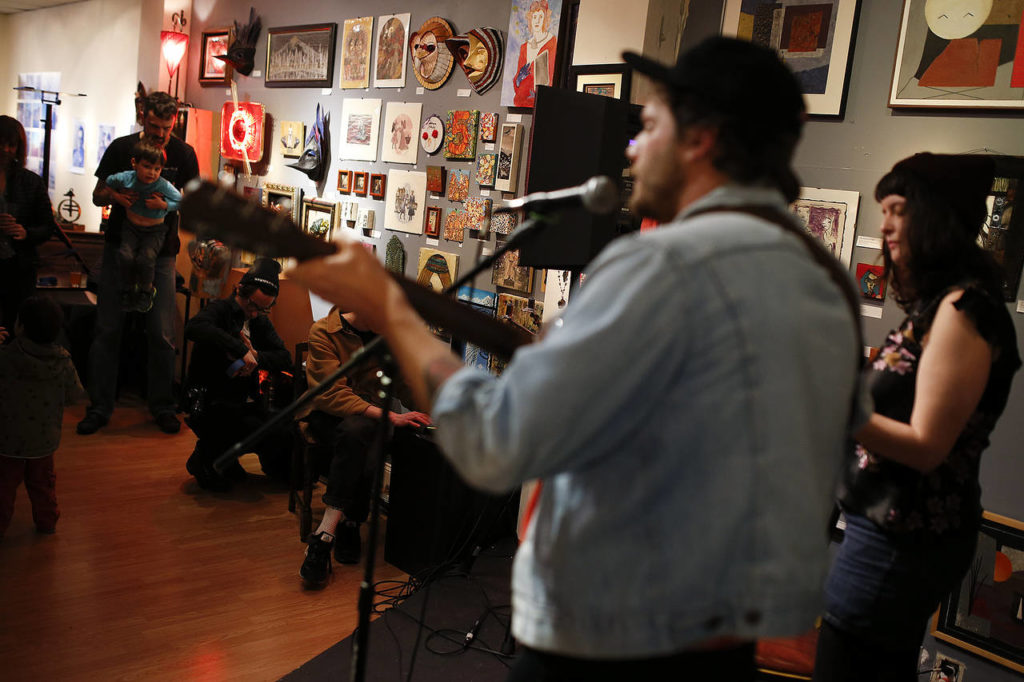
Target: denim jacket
[687,418]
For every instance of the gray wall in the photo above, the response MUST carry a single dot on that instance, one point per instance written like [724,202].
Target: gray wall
[299,104]
[852,154]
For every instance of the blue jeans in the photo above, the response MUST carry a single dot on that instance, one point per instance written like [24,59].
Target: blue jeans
[104,354]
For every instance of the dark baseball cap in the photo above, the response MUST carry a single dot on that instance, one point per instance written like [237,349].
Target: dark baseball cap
[734,78]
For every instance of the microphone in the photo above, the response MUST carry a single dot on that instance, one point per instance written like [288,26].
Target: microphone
[598,195]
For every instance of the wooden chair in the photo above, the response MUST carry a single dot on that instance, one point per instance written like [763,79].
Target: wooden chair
[304,451]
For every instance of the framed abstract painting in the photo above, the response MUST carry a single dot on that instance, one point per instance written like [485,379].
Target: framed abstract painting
[970,59]
[831,216]
[815,39]
[985,613]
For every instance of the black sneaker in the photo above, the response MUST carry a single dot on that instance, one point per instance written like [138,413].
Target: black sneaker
[316,567]
[347,546]
[167,421]
[92,423]
[205,476]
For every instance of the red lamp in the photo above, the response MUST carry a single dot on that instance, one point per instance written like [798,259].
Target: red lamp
[173,45]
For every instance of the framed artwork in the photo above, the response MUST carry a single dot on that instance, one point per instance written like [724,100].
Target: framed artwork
[432,134]
[510,144]
[607,80]
[485,169]
[478,215]
[406,201]
[432,222]
[460,134]
[389,59]
[377,182]
[300,56]
[814,39]
[504,223]
[967,60]
[458,186]
[831,216]
[290,141]
[436,269]
[401,126]
[520,311]
[871,281]
[241,131]
[283,198]
[360,183]
[1003,231]
[488,126]
[356,38]
[508,273]
[435,179]
[344,181]
[319,218]
[530,51]
[365,220]
[455,225]
[985,613]
[432,61]
[213,71]
[360,123]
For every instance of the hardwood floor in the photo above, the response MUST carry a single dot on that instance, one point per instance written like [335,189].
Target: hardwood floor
[149,577]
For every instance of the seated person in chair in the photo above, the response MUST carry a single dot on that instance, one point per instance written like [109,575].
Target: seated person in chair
[234,339]
[344,417]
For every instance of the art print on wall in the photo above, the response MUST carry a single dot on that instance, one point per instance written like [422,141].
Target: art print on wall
[504,223]
[486,165]
[283,198]
[488,126]
[356,40]
[300,56]
[432,222]
[478,215]
[460,134]
[829,215]
[970,58]
[401,126]
[432,134]
[530,50]
[435,179]
[389,58]
[344,181]
[521,311]
[406,200]
[213,71]
[458,186]
[871,281]
[436,269]
[360,122]
[508,273]
[1003,231]
[319,218]
[377,183]
[510,144]
[984,614]
[105,135]
[78,147]
[814,39]
[360,183]
[290,139]
[606,80]
[455,225]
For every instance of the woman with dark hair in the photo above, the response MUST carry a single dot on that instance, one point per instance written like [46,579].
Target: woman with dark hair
[26,220]
[910,493]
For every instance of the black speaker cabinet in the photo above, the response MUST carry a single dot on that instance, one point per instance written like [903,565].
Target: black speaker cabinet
[434,518]
[574,137]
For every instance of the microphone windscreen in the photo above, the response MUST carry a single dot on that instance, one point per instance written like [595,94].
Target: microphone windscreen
[602,196]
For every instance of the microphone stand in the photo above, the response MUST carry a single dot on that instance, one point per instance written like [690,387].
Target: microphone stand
[528,228]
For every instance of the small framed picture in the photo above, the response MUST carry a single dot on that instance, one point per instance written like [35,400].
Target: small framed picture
[319,218]
[344,181]
[360,182]
[283,198]
[213,71]
[300,56]
[432,222]
[377,181]
[607,80]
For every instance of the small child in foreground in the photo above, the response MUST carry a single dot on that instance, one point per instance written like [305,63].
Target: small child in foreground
[37,380]
[152,198]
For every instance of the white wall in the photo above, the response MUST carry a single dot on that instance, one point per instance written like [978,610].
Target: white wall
[95,47]
[608,27]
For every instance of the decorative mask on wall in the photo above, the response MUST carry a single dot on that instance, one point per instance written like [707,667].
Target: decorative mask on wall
[479,53]
[317,154]
[241,52]
[241,131]
[431,59]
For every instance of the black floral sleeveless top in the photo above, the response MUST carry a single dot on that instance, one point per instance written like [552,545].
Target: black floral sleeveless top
[907,504]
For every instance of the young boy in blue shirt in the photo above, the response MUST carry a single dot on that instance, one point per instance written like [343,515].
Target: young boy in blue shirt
[144,231]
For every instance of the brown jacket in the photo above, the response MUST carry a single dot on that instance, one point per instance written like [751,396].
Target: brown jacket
[332,342]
